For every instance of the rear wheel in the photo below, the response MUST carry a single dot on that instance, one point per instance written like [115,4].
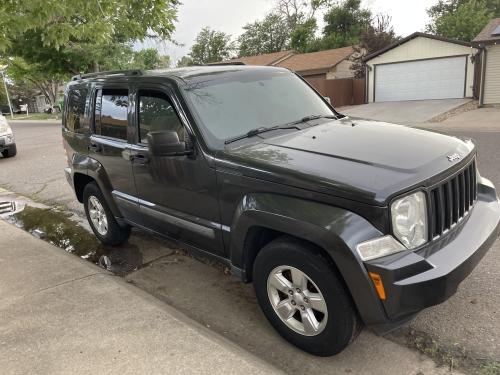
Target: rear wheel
[304,297]
[10,152]
[100,217]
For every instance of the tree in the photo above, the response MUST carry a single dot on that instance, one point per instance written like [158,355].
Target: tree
[444,7]
[19,71]
[64,21]
[344,24]
[3,95]
[183,61]
[303,37]
[298,12]
[267,36]
[211,46]
[24,91]
[300,16]
[165,62]
[465,22]
[146,59]
[377,35]
[73,58]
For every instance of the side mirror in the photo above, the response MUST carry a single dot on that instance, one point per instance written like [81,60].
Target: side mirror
[327,99]
[166,143]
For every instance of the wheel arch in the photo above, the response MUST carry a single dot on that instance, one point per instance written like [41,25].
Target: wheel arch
[262,217]
[87,170]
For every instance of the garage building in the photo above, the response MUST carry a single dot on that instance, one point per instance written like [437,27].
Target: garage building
[488,41]
[419,67]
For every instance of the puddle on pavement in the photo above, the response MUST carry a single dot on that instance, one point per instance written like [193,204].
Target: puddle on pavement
[58,229]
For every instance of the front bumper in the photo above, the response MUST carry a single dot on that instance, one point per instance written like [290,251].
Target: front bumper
[6,142]
[414,281]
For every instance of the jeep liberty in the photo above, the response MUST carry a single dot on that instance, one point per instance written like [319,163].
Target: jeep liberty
[339,222]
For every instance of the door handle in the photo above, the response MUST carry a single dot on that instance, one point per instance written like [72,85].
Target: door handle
[94,148]
[139,158]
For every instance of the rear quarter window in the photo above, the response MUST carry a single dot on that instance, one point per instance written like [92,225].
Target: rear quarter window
[75,113]
[111,113]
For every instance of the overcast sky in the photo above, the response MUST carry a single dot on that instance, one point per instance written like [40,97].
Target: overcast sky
[230,16]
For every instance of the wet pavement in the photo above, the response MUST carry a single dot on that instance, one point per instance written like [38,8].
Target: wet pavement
[71,233]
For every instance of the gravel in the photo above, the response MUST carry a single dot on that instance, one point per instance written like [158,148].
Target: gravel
[473,104]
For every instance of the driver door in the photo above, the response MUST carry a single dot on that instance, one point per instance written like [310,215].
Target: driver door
[177,194]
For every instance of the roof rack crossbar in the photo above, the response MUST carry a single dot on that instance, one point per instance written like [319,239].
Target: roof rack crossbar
[226,63]
[132,72]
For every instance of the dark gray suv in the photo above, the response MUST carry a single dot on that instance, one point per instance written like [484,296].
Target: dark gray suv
[337,221]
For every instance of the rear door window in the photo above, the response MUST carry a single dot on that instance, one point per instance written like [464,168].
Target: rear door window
[111,113]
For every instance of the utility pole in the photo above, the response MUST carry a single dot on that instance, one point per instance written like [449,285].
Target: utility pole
[2,67]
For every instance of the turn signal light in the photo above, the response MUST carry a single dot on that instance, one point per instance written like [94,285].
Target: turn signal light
[379,286]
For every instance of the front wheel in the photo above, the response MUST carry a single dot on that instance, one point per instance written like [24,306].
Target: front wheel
[101,219]
[304,297]
[10,152]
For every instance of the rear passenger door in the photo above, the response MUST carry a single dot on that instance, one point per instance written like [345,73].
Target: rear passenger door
[177,194]
[110,145]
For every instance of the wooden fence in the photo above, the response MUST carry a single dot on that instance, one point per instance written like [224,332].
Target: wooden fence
[342,92]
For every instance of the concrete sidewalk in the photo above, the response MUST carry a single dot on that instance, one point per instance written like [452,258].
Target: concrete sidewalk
[62,315]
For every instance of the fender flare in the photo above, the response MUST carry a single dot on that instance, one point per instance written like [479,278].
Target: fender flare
[334,229]
[86,165]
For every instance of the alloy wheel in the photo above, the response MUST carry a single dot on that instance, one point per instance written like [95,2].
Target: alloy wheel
[98,215]
[297,300]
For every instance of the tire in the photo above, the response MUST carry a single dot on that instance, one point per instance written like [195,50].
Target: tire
[10,152]
[333,329]
[101,219]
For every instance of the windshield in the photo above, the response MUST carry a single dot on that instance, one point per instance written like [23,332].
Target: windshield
[233,106]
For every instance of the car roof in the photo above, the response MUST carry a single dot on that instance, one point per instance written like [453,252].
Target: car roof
[186,75]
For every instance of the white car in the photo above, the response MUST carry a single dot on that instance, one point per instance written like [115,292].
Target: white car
[7,142]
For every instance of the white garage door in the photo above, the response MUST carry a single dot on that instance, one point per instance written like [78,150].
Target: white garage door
[418,80]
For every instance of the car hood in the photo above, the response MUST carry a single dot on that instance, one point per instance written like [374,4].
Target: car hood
[358,159]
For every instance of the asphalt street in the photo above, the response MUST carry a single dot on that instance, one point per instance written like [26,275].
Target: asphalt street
[37,169]
[467,326]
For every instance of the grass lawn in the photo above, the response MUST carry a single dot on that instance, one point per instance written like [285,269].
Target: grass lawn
[34,116]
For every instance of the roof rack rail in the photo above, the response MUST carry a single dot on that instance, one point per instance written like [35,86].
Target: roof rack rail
[132,72]
[226,63]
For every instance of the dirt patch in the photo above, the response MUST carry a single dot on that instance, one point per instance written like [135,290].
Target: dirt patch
[470,106]
[453,355]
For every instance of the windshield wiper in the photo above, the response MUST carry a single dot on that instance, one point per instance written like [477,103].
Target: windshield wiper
[253,132]
[312,117]
[290,125]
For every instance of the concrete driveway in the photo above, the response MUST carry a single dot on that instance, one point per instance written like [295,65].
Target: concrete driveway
[405,112]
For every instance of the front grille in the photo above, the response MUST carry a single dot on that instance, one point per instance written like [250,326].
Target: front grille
[452,200]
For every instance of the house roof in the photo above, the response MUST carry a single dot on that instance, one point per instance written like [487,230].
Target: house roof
[267,59]
[413,36]
[486,34]
[317,60]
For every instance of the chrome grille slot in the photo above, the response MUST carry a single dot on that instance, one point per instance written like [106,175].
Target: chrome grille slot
[452,199]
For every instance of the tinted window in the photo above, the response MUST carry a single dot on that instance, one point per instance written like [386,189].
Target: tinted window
[112,119]
[233,106]
[156,113]
[76,109]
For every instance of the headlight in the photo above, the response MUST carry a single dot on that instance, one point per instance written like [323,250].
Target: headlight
[4,127]
[409,220]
